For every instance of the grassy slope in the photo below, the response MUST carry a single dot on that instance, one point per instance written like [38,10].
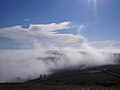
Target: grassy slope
[74,79]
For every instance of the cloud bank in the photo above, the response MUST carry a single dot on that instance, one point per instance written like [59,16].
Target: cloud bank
[22,65]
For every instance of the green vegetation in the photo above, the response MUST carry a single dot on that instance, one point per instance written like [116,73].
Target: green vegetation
[47,85]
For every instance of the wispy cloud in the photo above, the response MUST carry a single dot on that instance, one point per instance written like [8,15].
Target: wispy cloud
[45,34]
[106,44]
[26,19]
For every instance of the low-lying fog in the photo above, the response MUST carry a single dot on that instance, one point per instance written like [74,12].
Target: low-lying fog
[29,64]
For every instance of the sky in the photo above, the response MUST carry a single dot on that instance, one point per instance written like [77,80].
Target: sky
[59,23]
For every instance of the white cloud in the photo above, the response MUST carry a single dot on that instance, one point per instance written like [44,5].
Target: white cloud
[81,28]
[106,44]
[26,19]
[44,34]
[49,29]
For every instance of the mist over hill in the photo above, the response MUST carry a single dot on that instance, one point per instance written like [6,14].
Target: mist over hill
[30,64]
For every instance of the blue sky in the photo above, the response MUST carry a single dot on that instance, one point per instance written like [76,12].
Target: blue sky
[101,19]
